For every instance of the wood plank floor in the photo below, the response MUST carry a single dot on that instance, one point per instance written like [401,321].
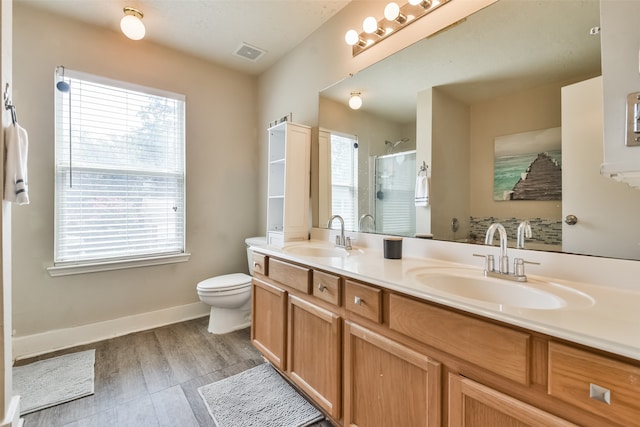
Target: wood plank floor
[151,378]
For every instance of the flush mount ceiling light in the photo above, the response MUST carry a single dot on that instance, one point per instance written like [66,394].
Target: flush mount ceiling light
[355,101]
[131,24]
[395,18]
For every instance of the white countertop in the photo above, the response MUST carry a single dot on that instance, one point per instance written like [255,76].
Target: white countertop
[610,321]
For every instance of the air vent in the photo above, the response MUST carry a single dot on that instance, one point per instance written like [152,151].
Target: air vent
[249,52]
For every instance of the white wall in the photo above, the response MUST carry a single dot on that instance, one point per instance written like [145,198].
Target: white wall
[528,110]
[450,167]
[221,148]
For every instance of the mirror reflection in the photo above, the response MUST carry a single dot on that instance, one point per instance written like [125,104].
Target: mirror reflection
[436,110]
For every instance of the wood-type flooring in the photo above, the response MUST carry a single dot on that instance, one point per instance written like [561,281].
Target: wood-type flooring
[150,378]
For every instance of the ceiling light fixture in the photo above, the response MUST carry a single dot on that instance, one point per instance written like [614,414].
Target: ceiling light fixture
[131,24]
[395,18]
[355,101]
[392,13]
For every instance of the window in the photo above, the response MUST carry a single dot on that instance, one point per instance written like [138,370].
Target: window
[344,179]
[119,172]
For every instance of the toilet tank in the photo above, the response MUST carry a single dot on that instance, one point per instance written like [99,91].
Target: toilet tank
[253,241]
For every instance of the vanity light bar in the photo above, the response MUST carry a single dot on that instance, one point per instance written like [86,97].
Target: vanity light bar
[396,18]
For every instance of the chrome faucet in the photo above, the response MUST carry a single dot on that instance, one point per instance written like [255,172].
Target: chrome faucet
[341,241]
[524,230]
[503,261]
[363,218]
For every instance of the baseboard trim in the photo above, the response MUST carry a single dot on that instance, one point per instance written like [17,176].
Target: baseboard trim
[36,344]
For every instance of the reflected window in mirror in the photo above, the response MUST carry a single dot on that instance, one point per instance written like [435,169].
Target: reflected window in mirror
[344,178]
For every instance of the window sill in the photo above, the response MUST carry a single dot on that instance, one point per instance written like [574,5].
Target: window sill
[68,270]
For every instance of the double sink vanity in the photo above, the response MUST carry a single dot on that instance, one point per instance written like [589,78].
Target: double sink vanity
[424,341]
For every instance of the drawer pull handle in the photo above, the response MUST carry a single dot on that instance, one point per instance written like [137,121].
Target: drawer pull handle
[321,287]
[255,264]
[600,393]
[357,301]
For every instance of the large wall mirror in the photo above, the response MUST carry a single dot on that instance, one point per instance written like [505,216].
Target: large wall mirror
[509,97]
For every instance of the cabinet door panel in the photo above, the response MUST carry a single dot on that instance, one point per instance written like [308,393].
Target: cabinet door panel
[268,321]
[387,384]
[474,405]
[314,353]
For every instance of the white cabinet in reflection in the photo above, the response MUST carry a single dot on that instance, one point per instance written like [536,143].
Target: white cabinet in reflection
[288,183]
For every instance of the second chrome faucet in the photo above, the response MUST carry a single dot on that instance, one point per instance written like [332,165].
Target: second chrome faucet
[341,240]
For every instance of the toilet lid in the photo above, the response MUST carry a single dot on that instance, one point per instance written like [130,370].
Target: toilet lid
[226,282]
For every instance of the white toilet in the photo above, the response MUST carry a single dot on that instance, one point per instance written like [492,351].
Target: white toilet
[230,296]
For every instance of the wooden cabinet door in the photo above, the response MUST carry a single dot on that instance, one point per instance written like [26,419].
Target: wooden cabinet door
[314,353]
[387,384]
[474,405]
[268,321]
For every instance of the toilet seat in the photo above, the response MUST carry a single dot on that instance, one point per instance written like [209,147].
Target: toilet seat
[227,282]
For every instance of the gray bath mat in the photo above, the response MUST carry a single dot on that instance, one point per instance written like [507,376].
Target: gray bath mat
[53,381]
[259,397]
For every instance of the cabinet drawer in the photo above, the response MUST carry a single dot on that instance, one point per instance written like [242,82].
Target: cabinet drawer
[326,287]
[495,348]
[293,276]
[575,375]
[259,262]
[363,300]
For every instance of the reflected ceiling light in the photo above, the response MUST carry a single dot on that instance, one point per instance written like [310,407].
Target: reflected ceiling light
[131,24]
[397,17]
[355,102]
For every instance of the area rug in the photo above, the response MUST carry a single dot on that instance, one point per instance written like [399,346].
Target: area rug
[54,381]
[259,397]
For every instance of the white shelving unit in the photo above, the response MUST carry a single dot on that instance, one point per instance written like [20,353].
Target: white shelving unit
[288,183]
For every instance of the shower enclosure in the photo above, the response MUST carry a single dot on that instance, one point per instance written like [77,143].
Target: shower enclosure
[394,180]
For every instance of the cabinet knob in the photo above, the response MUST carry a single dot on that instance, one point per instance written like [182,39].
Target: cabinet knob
[255,264]
[321,287]
[357,301]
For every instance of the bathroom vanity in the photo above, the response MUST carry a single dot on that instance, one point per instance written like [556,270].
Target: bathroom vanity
[375,342]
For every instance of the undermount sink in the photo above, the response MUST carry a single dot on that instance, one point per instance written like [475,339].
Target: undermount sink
[471,284]
[318,251]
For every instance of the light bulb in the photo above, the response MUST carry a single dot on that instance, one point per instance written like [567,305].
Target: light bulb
[351,37]
[131,24]
[369,25]
[423,3]
[355,102]
[391,11]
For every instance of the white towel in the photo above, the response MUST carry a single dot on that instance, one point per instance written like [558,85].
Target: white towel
[422,190]
[15,179]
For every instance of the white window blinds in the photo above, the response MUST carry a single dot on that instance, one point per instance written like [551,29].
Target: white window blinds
[119,171]
[344,179]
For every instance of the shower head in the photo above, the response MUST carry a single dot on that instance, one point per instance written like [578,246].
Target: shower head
[391,145]
[62,85]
